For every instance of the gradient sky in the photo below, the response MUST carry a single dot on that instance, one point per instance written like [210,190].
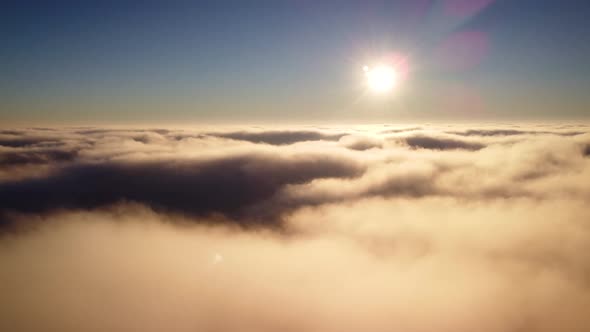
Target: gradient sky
[298,60]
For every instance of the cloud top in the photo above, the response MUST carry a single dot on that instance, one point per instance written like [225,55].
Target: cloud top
[380,228]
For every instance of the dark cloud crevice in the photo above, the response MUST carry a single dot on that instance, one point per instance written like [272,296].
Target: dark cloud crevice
[279,137]
[511,132]
[18,142]
[16,158]
[439,143]
[223,186]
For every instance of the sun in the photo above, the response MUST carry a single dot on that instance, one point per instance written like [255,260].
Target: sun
[381,78]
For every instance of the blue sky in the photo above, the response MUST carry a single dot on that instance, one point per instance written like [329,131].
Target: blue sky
[299,60]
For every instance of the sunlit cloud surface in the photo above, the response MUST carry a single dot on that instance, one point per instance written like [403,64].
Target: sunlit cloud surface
[378,228]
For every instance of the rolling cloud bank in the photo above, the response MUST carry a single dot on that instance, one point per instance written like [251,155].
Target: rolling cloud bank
[364,228]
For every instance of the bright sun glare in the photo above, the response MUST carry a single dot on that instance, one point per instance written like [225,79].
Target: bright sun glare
[382,78]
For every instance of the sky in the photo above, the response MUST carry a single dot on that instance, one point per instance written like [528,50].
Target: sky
[179,62]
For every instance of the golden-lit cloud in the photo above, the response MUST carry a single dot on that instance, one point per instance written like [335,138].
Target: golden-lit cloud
[447,228]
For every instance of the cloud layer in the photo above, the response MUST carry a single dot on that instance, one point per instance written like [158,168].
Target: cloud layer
[380,228]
